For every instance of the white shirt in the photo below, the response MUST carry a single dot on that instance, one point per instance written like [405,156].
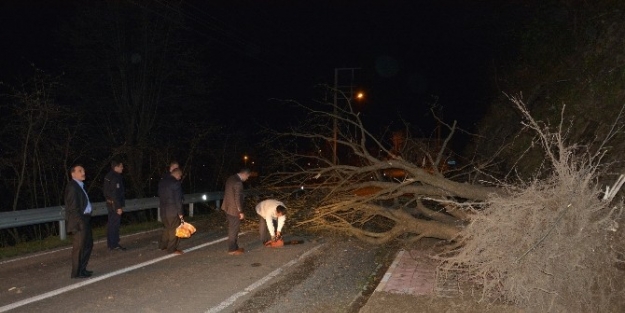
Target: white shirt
[267,210]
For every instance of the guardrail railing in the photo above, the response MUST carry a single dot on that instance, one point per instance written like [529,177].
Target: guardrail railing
[57,213]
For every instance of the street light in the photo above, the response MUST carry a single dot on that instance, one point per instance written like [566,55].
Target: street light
[245,160]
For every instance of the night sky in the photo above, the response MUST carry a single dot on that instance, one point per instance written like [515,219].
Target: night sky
[408,52]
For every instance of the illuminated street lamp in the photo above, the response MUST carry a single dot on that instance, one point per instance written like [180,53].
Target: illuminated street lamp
[245,160]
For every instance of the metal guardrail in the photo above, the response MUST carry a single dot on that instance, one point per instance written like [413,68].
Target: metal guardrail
[57,213]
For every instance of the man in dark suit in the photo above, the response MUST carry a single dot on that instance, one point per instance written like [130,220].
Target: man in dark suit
[170,206]
[78,215]
[233,206]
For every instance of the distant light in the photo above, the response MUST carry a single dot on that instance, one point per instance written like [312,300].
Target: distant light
[302,187]
[360,95]
[204,197]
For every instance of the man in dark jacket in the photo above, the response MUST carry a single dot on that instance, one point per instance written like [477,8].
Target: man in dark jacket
[78,215]
[170,199]
[114,193]
[233,206]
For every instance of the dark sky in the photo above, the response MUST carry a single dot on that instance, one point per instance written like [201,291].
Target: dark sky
[408,52]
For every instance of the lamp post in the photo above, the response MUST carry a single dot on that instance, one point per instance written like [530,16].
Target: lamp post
[245,160]
[335,126]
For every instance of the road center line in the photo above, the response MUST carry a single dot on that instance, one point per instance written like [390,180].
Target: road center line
[259,282]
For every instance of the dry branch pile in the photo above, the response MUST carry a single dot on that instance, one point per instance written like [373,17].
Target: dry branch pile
[549,245]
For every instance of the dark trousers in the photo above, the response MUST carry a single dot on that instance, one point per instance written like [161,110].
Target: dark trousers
[112,227]
[82,244]
[234,224]
[264,231]
[169,241]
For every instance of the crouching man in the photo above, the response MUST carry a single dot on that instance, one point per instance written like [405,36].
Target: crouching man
[272,217]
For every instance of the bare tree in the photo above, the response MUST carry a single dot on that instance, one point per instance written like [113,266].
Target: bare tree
[380,189]
[35,140]
[550,244]
[34,137]
[141,83]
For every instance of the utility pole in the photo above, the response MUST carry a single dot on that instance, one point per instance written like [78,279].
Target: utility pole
[335,125]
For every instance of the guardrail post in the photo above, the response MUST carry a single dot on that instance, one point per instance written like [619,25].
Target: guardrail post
[63,232]
[191,209]
[217,204]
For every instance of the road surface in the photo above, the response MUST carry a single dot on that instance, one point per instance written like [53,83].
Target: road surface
[320,274]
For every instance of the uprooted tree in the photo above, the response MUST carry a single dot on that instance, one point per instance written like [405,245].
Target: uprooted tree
[379,190]
[548,244]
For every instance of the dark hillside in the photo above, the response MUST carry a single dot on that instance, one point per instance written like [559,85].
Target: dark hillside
[573,56]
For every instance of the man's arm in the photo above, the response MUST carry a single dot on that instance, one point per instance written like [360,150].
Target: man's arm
[177,195]
[72,211]
[118,194]
[281,220]
[269,222]
[238,198]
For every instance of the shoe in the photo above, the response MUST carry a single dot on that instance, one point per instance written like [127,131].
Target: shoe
[88,272]
[237,251]
[83,275]
[118,248]
[178,252]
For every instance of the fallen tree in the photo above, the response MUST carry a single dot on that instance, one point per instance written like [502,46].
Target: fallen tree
[549,244]
[381,189]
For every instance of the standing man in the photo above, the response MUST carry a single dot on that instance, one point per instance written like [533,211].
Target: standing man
[170,199]
[114,193]
[270,211]
[78,215]
[233,206]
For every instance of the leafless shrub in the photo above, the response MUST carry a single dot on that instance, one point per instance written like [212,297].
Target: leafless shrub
[550,244]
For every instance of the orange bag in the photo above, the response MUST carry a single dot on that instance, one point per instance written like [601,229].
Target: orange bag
[185,230]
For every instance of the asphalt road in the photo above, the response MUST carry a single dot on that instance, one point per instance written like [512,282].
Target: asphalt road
[318,275]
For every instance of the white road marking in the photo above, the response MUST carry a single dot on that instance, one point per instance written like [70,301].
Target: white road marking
[93,280]
[226,303]
[70,247]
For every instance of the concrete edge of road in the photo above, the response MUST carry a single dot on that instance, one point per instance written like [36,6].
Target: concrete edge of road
[389,271]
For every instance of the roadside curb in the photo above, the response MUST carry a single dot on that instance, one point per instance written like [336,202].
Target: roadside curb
[409,274]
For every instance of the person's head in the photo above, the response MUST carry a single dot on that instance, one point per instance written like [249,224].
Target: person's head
[173,165]
[116,166]
[77,172]
[244,173]
[280,210]
[177,173]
